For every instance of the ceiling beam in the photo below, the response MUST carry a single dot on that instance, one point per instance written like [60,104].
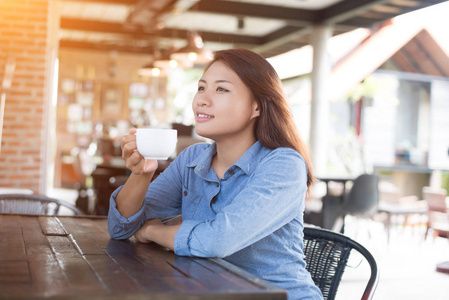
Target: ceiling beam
[282,32]
[149,12]
[281,40]
[105,47]
[344,10]
[362,22]
[241,9]
[98,26]
[219,37]
[139,32]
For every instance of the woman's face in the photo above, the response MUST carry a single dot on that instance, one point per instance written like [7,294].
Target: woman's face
[223,106]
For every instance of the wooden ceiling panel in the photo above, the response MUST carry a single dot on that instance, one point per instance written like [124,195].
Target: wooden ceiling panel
[422,58]
[440,58]
[147,22]
[404,63]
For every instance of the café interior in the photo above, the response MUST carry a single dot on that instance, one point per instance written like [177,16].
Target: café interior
[368,94]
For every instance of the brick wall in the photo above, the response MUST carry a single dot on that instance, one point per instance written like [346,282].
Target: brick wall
[24,37]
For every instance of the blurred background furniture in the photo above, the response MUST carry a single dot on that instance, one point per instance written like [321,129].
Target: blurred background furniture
[323,207]
[326,254]
[359,200]
[34,205]
[363,198]
[102,186]
[399,208]
[7,190]
[438,217]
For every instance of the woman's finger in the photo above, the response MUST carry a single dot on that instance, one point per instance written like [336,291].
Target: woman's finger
[128,147]
[135,163]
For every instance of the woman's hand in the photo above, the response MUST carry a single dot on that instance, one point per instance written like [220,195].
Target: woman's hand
[143,234]
[134,161]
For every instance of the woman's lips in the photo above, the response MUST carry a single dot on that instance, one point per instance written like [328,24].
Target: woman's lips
[202,117]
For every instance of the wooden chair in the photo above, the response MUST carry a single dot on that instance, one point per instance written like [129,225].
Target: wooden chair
[326,254]
[33,205]
[438,215]
[404,210]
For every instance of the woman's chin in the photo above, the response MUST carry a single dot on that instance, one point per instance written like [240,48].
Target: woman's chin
[203,133]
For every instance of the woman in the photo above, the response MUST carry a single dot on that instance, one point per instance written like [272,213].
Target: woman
[242,197]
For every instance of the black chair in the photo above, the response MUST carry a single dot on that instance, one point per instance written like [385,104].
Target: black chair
[33,205]
[326,254]
[363,198]
[361,201]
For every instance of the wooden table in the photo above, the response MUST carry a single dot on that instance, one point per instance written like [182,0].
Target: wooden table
[392,209]
[340,179]
[74,258]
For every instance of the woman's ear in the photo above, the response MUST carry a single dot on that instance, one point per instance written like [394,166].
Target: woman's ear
[256,110]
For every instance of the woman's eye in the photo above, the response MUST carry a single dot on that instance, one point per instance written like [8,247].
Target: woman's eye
[220,89]
[201,88]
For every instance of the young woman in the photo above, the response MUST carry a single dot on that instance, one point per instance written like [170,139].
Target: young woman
[242,197]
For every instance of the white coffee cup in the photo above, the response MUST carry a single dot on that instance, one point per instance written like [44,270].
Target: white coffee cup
[156,143]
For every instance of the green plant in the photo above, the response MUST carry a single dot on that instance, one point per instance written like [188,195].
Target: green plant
[445,181]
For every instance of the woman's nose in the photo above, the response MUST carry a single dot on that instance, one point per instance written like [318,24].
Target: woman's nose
[202,99]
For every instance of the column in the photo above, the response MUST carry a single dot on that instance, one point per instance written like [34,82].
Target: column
[319,127]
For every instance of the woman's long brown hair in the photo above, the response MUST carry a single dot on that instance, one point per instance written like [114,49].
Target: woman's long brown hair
[274,127]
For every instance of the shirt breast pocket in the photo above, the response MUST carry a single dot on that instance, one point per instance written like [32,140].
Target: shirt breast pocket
[190,203]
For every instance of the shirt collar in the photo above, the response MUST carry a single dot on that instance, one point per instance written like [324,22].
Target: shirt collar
[247,163]
[203,161]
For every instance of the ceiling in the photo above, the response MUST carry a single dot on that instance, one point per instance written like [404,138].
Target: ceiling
[269,27]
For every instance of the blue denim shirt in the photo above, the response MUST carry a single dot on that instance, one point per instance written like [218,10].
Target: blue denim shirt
[252,217]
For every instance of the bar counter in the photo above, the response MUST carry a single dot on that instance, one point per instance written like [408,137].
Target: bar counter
[74,258]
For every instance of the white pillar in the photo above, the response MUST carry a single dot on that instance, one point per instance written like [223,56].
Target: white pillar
[319,123]
[51,88]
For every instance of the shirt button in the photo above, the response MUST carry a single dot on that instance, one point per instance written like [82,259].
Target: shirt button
[185,193]
[218,184]
[214,199]
[231,172]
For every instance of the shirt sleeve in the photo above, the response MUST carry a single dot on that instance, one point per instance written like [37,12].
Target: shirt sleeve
[273,196]
[120,227]
[163,199]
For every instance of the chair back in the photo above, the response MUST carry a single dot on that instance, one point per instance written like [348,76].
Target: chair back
[7,190]
[436,199]
[33,204]
[326,255]
[363,198]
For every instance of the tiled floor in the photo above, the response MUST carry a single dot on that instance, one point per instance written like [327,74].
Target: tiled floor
[406,263]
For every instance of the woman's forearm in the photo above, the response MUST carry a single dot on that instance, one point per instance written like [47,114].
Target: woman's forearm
[163,235]
[130,198]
